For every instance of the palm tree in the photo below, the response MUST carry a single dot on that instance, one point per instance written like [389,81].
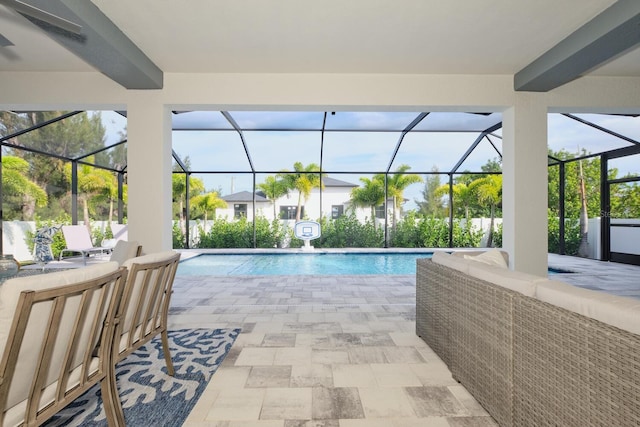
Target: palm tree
[304,179]
[462,196]
[92,182]
[179,188]
[15,183]
[274,188]
[370,195]
[208,203]
[397,183]
[110,195]
[488,191]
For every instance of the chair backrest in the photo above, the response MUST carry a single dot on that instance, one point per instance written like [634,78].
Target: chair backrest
[77,237]
[120,231]
[145,300]
[124,250]
[50,327]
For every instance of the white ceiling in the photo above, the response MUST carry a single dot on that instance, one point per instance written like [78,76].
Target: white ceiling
[332,36]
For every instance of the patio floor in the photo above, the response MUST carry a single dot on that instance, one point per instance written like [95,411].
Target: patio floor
[320,351]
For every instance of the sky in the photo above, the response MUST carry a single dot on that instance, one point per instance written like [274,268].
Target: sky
[348,151]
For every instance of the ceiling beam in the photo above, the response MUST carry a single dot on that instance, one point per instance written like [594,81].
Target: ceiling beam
[611,33]
[101,44]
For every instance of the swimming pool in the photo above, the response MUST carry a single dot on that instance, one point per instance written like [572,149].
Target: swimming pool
[300,263]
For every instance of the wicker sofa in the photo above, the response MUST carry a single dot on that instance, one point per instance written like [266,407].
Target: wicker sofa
[532,351]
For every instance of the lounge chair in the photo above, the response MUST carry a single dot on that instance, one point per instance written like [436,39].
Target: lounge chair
[78,240]
[50,327]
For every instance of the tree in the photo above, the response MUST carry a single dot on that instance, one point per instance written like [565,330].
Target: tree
[572,201]
[625,199]
[431,203]
[370,195]
[16,184]
[71,137]
[396,184]
[463,198]
[274,188]
[583,250]
[489,193]
[492,165]
[179,190]
[304,179]
[208,202]
[92,182]
[109,194]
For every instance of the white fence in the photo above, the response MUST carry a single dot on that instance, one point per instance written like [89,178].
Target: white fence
[622,240]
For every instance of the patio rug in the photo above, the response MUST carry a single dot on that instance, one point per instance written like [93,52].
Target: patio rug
[149,396]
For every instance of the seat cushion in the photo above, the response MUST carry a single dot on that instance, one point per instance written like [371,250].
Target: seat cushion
[614,310]
[15,414]
[523,283]
[38,321]
[134,287]
[10,290]
[124,250]
[448,260]
[491,257]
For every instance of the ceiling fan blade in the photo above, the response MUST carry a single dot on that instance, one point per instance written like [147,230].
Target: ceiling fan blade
[5,42]
[42,15]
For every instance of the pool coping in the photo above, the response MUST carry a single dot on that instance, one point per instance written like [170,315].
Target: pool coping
[190,253]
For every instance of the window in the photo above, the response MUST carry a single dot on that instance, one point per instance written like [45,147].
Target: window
[289,212]
[240,210]
[380,211]
[337,211]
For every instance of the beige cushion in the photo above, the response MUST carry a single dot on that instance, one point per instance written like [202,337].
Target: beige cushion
[135,295]
[124,250]
[10,290]
[621,312]
[15,415]
[514,280]
[448,260]
[27,359]
[154,257]
[491,257]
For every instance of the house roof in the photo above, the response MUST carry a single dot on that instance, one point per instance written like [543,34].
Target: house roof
[332,182]
[243,196]
[247,196]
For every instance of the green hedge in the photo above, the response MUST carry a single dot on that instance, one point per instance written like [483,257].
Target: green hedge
[238,234]
[416,231]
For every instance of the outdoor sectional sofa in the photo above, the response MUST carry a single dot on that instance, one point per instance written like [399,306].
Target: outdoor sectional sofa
[532,351]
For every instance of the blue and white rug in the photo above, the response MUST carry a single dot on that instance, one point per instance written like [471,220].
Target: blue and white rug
[149,396]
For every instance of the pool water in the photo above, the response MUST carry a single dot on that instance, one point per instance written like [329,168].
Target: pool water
[305,264]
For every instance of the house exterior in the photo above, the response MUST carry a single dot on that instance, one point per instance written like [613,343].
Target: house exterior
[336,201]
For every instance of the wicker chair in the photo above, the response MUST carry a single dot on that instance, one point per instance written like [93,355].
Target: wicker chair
[49,332]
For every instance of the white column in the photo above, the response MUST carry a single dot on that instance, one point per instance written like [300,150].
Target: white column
[524,187]
[149,172]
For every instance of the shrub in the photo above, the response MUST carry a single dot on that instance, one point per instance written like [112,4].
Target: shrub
[178,237]
[571,235]
[415,231]
[239,233]
[347,232]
